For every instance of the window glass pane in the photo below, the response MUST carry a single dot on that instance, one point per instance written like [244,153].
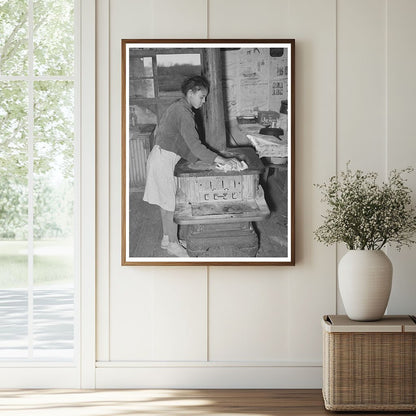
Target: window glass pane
[13,37]
[53,262]
[53,196]
[173,69]
[53,37]
[13,160]
[54,128]
[140,67]
[53,192]
[143,116]
[13,219]
[142,88]
[14,317]
[53,320]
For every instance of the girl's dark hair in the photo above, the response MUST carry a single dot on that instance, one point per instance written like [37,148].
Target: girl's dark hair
[196,83]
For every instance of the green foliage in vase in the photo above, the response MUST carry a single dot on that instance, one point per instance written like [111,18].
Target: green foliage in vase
[367,215]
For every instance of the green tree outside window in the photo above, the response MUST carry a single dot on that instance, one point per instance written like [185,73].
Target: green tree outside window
[36,60]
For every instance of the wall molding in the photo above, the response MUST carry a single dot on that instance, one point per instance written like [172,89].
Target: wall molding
[209,376]
[45,376]
[204,364]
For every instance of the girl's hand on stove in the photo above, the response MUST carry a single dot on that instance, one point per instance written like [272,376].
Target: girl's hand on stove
[230,163]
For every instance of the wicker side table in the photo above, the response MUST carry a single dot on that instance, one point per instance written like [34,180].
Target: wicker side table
[369,366]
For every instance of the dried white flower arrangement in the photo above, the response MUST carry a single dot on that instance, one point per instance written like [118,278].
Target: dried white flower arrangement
[366,215]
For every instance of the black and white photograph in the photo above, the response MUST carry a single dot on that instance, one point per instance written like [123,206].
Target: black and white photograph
[208,152]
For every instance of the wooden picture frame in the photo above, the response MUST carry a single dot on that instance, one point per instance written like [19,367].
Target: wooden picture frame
[223,217]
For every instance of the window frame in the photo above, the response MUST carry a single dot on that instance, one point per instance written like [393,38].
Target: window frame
[81,371]
[157,99]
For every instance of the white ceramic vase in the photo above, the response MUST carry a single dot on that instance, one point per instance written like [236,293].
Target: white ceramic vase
[364,278]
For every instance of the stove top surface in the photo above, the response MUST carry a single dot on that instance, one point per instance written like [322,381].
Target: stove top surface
[199,168]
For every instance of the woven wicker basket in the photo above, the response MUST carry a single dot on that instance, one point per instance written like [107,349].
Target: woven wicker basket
[369,366]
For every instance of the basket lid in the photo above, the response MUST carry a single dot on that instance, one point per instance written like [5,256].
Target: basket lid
[389,323]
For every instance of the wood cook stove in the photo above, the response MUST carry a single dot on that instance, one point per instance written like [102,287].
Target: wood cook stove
[215,209]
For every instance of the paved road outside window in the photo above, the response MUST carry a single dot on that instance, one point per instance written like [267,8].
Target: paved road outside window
[53,324]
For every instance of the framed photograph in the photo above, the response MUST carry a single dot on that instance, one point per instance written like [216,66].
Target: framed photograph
[208,151]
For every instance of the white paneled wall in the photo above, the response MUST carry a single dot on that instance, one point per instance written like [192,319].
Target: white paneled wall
[251,325]
[361,84]
[254,326]
[165,315]
[401,128]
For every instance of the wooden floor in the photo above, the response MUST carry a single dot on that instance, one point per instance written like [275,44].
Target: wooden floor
[165,402]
